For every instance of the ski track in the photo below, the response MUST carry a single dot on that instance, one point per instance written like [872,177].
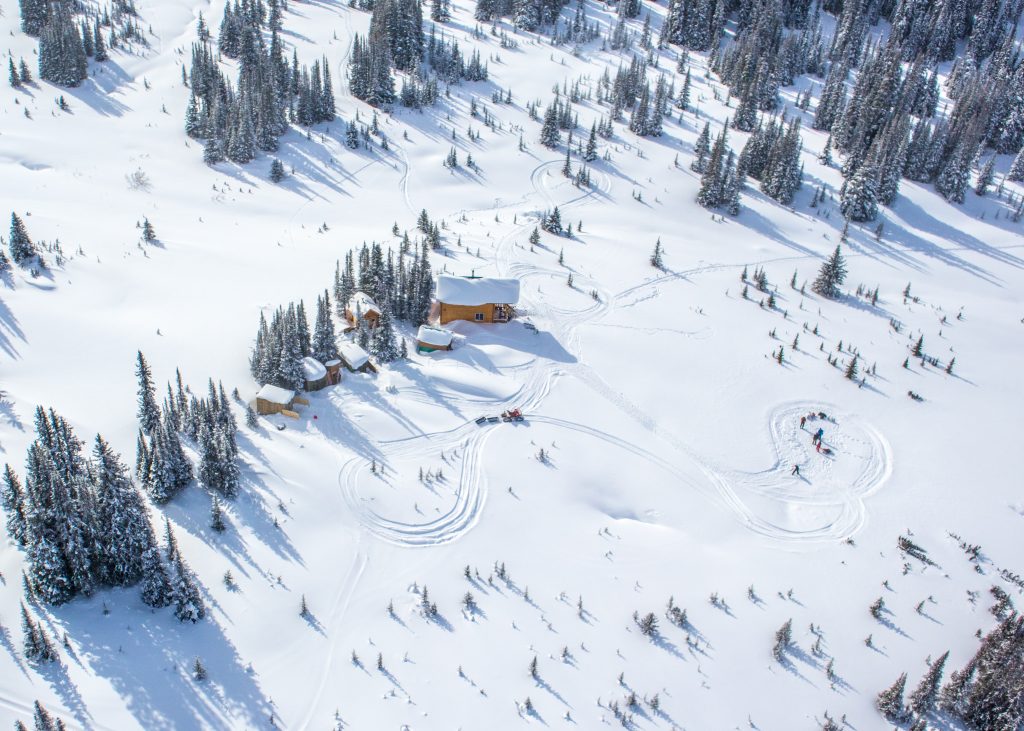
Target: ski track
[823,508]
[332,629]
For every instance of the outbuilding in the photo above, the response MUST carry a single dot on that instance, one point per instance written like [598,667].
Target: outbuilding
[333,371]
[314,373]
[477,299]
[355,358]
[361,305]
[273,400]
[429,339]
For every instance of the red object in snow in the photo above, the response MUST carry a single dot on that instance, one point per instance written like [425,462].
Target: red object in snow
[314,417]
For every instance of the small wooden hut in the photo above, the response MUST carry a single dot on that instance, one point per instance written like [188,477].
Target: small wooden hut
[314,373]
[477,299]
[274,400]
[361,305]
[429,339]
[333,371]
[355,358]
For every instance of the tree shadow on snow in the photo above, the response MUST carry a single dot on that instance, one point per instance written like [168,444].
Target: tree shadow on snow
[147,661]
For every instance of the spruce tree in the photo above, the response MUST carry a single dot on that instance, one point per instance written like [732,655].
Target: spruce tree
[62,57]
[922,700]
[276,171]
[858,198]
[831,275]
[13,501]
[656,260]
[156,590]
[148,412]
[20,245]
[125,533]
[985,177]
[188,601]
[890,701]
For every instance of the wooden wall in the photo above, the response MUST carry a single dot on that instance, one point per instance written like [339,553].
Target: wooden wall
[264,407]
[466,312]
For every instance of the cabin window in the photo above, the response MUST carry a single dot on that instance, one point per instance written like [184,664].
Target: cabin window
[479,317]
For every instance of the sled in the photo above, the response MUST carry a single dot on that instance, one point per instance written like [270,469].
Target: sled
[481,421]
[493,419]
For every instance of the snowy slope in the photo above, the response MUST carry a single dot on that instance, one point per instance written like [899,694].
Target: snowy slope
[670,432]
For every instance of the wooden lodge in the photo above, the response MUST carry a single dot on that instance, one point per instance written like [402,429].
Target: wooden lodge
[275,400]
[476,299]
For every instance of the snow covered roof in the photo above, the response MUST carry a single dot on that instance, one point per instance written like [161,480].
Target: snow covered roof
[476,291]
[313,369]
[355,356]
[362,303]
[332,363]
[276,394]
[434,336]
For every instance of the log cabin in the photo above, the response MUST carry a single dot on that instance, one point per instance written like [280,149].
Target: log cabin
[477,299]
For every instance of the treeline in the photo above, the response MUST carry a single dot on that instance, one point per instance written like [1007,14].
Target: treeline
[84,525]
[396,41]
[70,34]
[238,119]
[880,98]
[285,341]
[161,463]
[525,14]
[403,288]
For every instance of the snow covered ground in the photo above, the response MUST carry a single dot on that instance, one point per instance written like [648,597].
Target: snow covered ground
[669,431]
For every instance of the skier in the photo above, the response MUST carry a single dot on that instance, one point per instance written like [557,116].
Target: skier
[803,420]
[796,470]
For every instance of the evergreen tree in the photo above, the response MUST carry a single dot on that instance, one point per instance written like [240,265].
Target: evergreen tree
[156,588]
[20,245]
[858,198]
[276,171]
[831,275]
[590,154]
[188,601]
[890,701]
[1017,168]
[549,134]
[323,345]
[985,177]
[217,516]
[12,74]
[33,15]
[922,700]
[99,45]
[148,412]
[62,57]
[656,260]
[383,344]
[125,533]
[13,501]
[148,232]
[851,371]
[702,150]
